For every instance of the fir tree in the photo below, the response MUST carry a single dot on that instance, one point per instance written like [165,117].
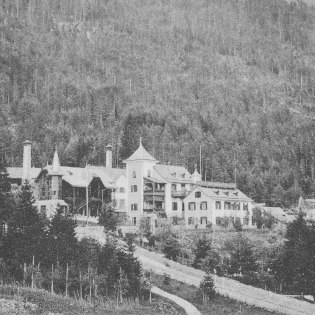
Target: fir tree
[25,230]
[62,237]
[108,218]
[296,266]
[200,251]
[207,288]
[5,198]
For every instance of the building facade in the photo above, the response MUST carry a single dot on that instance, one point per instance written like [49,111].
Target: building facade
[144,189]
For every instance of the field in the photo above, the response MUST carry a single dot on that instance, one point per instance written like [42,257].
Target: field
[219,305]
[28,301]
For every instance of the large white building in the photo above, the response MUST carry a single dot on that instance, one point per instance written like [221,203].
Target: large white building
[154,189]
[144,188]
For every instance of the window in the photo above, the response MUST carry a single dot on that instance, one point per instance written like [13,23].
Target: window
[134,188]
[203,205]
[191,221]
[43,191]
[245,206]
[134,221]
[218,221]
[246,221]
[218,205]
[183,175]
[191,206]
[43,210]
[121,189]
[197,194]
[134,207]
[227,205]
[236,206]
[134,174]
[173,187]
[203,220]
[149,173]
[174,206]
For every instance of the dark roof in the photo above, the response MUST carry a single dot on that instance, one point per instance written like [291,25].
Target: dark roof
[216,185]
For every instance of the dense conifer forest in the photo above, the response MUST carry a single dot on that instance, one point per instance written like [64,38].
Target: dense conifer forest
[234,76]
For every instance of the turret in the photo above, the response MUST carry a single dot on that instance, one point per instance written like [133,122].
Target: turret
[196,177]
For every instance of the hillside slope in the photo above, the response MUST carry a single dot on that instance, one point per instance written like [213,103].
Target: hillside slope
[236,77]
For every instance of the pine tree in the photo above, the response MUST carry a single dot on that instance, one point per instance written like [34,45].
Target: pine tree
[25,231]
[108,218]
[200,251]
[207,288]
[62,237]
[296,266]
[5,198]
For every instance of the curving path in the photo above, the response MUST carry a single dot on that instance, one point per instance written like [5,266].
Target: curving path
[224,286]
[189,308]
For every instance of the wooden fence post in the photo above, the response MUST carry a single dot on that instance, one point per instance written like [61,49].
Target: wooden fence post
[52,279]
[67,277]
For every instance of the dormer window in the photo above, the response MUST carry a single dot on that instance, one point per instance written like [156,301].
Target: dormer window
[227,193]
[183,175]
[217,192]
[236,193]
[134,174]
[173,175]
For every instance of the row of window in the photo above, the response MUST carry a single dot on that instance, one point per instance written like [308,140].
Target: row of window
[218,220]
[227,206]
[203,205]
[230,205]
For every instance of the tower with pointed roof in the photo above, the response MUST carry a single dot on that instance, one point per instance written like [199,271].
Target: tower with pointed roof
[139,165]
[56,177]
[196,177]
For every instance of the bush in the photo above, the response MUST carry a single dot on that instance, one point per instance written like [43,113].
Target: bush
[166,279]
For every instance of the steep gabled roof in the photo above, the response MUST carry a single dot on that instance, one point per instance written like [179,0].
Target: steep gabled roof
[56,169]
[141,154]
[82,176]
[172,173]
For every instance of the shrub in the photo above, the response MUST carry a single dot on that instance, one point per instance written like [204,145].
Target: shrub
[166,279]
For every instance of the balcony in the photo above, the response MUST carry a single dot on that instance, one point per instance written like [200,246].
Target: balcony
[179,193]
[155,192]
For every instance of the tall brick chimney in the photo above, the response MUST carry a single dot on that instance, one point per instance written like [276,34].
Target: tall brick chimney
[27,160]
[109,156]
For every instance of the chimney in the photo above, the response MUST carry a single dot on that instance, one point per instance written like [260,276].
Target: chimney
[109,156]
[27,151]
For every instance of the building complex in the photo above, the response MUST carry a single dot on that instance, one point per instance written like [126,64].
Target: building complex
[143,189]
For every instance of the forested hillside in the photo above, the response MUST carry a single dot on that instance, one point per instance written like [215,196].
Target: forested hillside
[234,76]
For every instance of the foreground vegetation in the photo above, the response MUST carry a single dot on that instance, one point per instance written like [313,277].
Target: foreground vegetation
[40,302]
[280,259]
[218,305]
